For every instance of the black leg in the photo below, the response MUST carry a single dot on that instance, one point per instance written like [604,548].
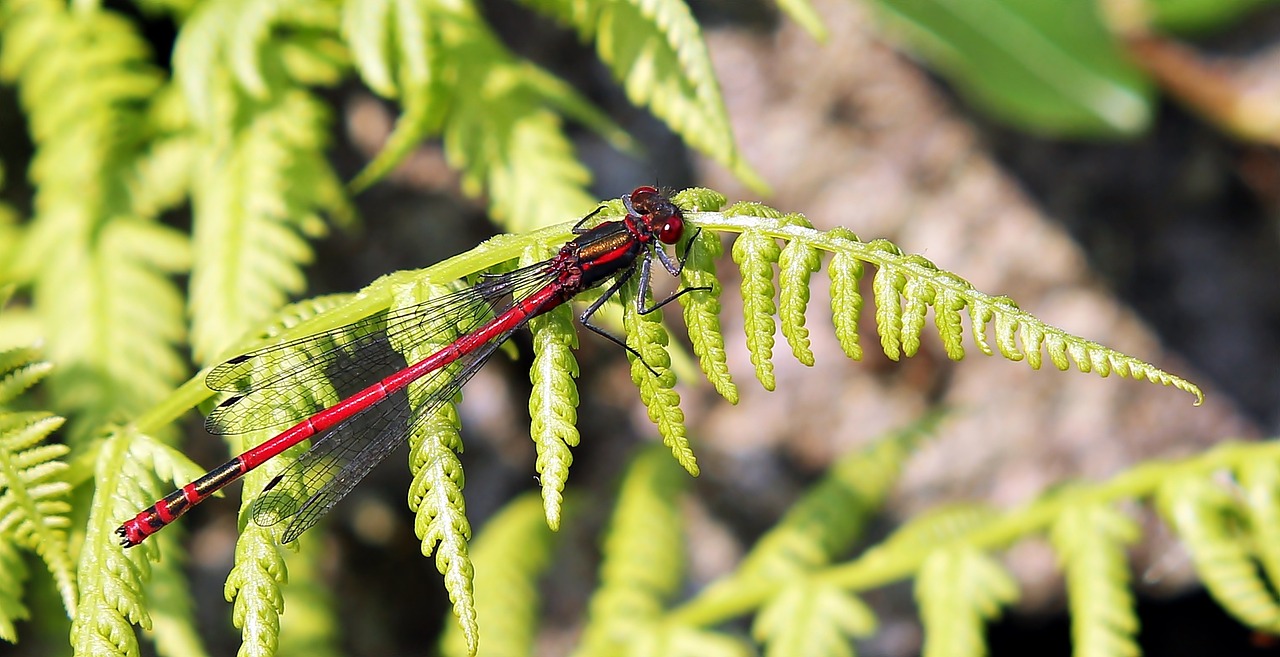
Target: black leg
[578,229]
[674,268]
[585,318]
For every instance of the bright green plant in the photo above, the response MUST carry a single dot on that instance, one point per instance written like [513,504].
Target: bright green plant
[239,134]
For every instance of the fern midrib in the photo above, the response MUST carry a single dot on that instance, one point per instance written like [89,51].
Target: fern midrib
[876,568]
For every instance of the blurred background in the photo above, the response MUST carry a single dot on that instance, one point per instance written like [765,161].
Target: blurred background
[1125,186]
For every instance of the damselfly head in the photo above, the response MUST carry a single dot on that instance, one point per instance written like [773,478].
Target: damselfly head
[657,211]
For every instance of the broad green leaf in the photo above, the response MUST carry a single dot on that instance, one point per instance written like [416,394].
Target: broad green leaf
[1050,67]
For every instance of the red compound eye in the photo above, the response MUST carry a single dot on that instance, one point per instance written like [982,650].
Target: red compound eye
[671,229]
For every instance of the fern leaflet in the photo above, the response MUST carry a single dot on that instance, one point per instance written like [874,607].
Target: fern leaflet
[1090,541]
[100,267]
[959,590]
[1206,517]
[905,287]
[642,558]
[510,554]
[655,49]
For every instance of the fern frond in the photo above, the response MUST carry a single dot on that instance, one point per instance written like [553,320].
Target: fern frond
[436,492]
[905,287]
[815,530]
[846,297]
[101,272]
[13,576]
[252,217]
[254,588]
[259,156]
[655,49]
[702,313]
[33,495]
[112,580]
[1207,518]
[20,368]
[814,619]
[958,591]
[649,338]
[796,265]
[553,402]
[755,255]
[1090,541]
[510,553]
[643,557]
[455,77]
[830,517]
[1260,479]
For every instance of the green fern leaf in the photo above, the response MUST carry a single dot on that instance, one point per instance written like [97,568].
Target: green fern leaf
[939,524]
[643,563]
[260,159]
[1206,518]
[235,37]
[398,52]
[101,286]
[501,135]
[905,286]
[454,75]
[20,368]
[958,591]
[254,588]
[251,218]
[814,619]
[887,286]
[655,48]
[648,337]
[796,265]
[702,313]
[553,404]
[1260,479]
[436,492]
[832,514]
[702,309]
[817,529]
[755,255]
[1090,542]
[13,575]
[510,553]
[111,580]
[33,495]
[846,298]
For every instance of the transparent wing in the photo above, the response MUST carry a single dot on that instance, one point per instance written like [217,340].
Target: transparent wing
[340,458]
[280,385]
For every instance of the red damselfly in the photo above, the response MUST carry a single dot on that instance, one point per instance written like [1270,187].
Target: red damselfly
[272,386]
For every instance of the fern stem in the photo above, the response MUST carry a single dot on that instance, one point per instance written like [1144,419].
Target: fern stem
[879,567]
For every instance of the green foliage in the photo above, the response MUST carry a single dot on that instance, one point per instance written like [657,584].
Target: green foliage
[1090,542]
[553,404]
[655,49]
[510,554]
[436,492]
[1045,66]
[240,135]
[959,590]
[33,491]
[1200,15]
[643,559]
[99,264]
